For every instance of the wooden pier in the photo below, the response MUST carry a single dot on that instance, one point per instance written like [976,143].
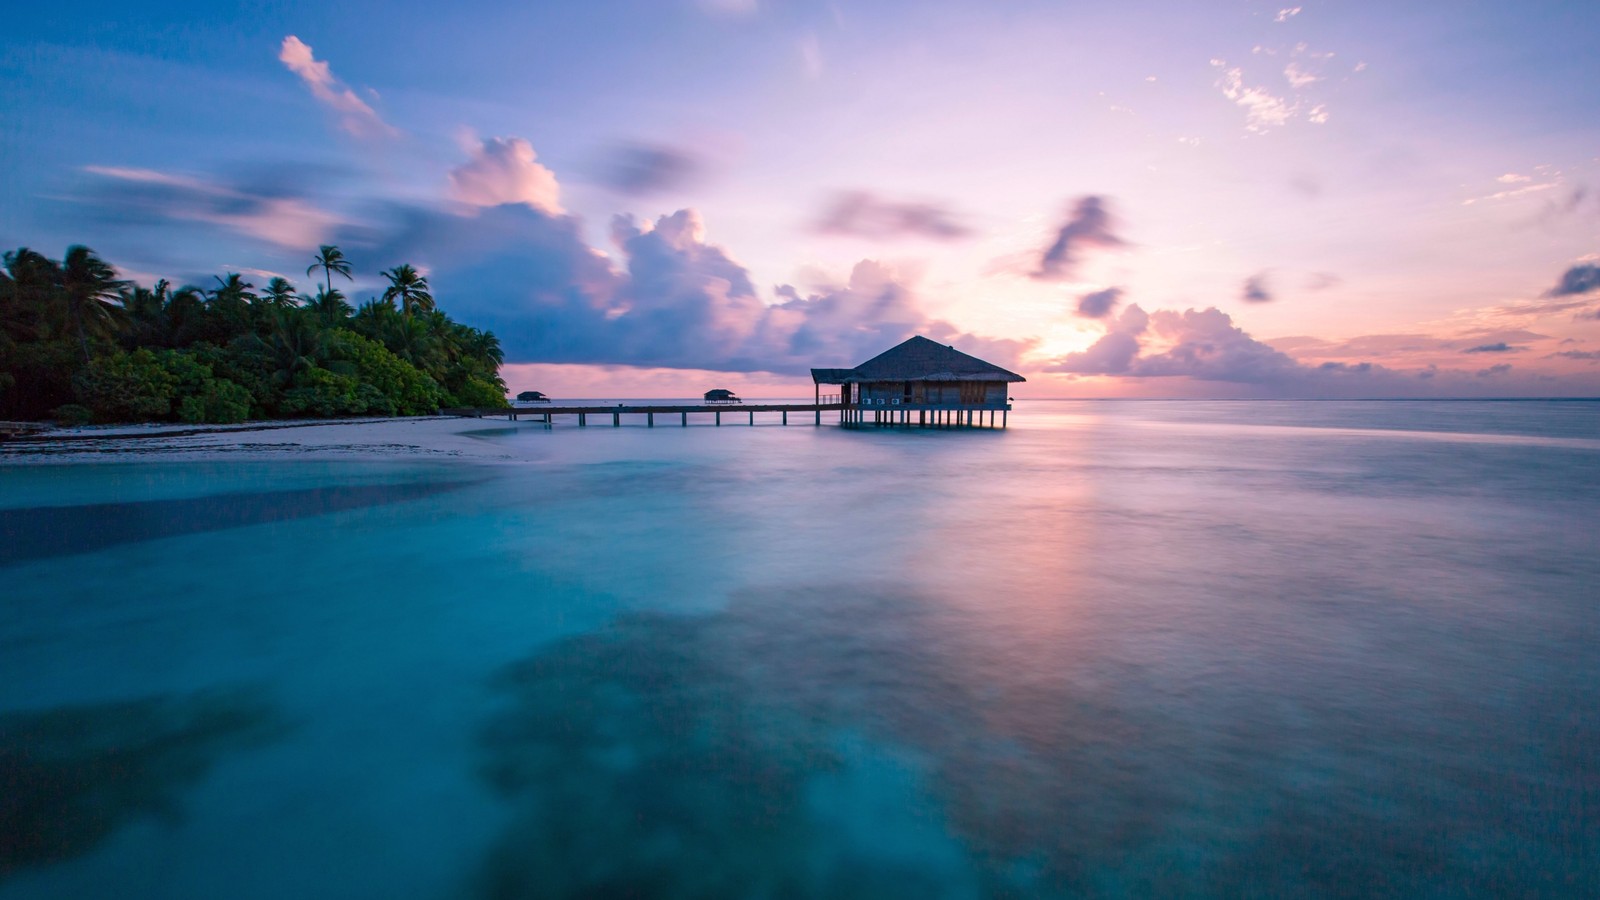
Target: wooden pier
[582,414]
[851,416]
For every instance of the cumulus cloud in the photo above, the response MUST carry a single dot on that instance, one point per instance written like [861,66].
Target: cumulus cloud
[1255,289]
[354,115]
[267,204]
[640,169]
[1114,352]
[1580,279]
[505,170]
[863,214]
[1497,347]
[1285,15]
[667,297]
[1100,303]
[1089,225]
[1206,345]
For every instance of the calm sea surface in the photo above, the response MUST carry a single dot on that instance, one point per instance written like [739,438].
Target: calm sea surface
[1119,650]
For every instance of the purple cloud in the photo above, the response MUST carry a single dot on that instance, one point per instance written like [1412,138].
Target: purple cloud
[1255,289]
[1090,225]
[639,169]
[863,214]
[667,298]
[1580,279]
[1100,303]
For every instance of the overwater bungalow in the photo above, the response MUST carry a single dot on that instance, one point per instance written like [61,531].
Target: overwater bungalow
[921,383]
[532,397]
[721,395]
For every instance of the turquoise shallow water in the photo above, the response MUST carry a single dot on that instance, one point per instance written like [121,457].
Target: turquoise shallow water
[1119,650]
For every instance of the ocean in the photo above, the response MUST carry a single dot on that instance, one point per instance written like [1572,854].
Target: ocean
[1119,649]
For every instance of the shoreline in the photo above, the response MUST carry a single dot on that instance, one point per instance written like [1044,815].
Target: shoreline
[397,437]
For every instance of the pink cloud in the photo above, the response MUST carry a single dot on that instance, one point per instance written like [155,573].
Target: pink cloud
[355,116]
[505,170]
[283,220]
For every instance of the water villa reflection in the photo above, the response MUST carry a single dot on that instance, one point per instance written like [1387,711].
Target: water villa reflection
[921,384]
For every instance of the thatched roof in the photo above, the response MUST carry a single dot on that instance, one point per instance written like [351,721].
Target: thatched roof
[917,359]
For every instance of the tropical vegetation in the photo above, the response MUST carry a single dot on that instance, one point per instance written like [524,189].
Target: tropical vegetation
[79,344]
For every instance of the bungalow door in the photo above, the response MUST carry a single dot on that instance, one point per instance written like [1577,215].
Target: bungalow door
[972,393]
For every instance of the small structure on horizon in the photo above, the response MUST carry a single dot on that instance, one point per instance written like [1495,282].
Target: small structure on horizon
[920,383]
[721,395]
[532,397]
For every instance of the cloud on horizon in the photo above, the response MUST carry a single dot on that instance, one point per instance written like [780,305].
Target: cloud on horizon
[355,116]
[1206,345]
[864,214]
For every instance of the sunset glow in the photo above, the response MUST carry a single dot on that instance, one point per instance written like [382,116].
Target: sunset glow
[1159,199]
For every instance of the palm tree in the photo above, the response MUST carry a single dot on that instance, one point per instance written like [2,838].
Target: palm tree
[233,290]
[296,344]
[232,304]
[329,307]
[410,288]
[280,294]
[481,345]
[330,259]
[146,309]
[31,286]
[92,292]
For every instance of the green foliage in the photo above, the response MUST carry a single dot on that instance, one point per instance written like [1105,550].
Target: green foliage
[72,331]
[477,393]
[319,392]
[72,415]
[217,401]
[126,387]
[410,392]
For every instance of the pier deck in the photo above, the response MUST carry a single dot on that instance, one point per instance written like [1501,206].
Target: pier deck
[748,411]
[850,416]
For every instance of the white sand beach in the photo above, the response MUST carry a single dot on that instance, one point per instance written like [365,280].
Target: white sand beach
[414,437]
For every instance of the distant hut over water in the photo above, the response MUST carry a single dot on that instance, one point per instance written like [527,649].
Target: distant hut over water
[721,395]
[920,382]
[532,397]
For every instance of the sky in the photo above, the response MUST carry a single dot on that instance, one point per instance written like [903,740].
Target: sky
[1141,199]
